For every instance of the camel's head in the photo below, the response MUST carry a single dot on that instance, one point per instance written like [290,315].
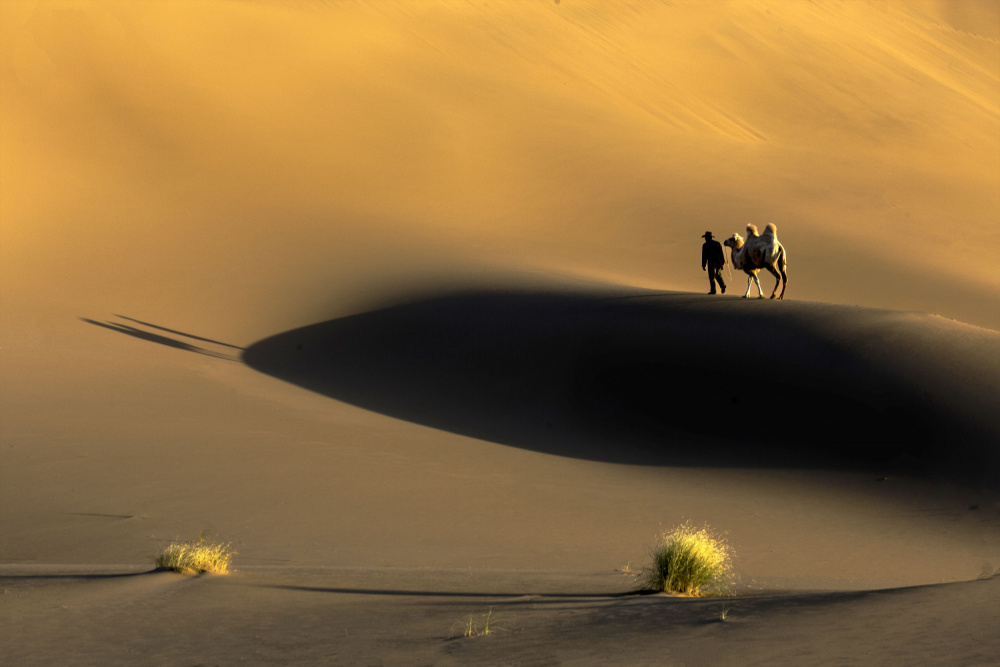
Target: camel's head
[735,241]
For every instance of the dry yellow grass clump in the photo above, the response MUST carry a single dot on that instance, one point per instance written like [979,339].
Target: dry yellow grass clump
[196,557]
[689,561]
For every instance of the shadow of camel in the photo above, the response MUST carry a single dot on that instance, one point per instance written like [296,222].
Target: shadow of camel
[660,378]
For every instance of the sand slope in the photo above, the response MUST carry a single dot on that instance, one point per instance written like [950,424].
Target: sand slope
[481,223]
[267,160]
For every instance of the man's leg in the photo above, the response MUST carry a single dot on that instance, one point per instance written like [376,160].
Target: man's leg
[711,279]
[718,276]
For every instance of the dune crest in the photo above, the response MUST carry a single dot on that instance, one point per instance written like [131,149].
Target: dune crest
[635,377]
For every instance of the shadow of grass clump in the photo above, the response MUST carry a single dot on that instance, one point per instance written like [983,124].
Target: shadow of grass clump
[196,557]
[689,561]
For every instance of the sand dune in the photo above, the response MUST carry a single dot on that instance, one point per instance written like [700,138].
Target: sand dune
[201,169]
[405,297]
[197,442]
[687,380]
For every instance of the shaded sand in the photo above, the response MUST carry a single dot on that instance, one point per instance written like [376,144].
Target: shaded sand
[668,379]
[402,299]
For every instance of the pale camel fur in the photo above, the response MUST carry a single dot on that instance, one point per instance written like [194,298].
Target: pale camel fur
[760,251]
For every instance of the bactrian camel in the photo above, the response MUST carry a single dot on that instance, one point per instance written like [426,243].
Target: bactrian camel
[760,251]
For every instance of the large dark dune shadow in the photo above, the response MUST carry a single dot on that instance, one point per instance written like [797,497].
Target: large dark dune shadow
[667,378]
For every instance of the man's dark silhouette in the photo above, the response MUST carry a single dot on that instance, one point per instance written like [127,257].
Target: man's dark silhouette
[713,257]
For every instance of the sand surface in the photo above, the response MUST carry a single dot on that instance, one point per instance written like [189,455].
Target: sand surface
[403,300]
[401,616]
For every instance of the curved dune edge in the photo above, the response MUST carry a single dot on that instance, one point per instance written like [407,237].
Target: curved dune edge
[667,378]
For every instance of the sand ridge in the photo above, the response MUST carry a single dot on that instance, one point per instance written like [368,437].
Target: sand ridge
[548,369]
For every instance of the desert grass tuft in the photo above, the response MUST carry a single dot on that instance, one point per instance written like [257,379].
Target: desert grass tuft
[473,627]
[196,557]
[689,561]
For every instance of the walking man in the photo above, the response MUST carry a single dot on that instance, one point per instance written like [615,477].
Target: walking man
[713,257]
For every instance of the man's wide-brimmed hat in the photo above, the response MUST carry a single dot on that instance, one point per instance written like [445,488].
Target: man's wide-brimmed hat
[707,235]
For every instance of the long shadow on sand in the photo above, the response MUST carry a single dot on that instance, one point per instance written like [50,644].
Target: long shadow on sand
[160,339]
[83,576]
[536,598]
[661,378]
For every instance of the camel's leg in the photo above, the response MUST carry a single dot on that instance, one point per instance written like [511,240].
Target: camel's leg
[749,285]
[784,282]
[777,279]
[760,292]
